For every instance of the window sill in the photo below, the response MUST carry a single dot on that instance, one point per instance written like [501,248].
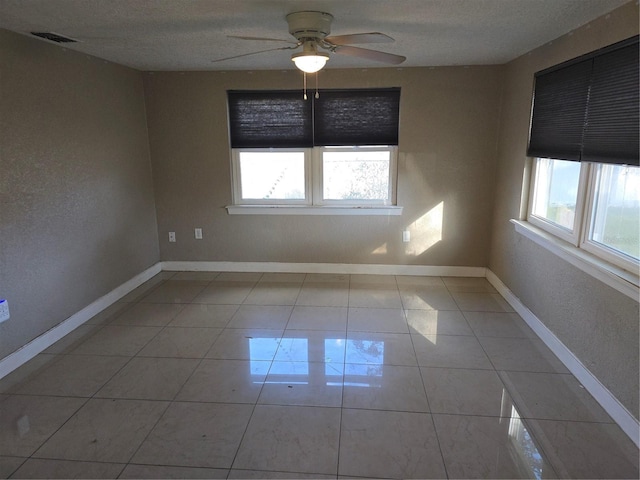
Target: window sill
[623,281]
[313,210]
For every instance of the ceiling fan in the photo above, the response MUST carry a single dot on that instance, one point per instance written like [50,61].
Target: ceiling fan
[311,30]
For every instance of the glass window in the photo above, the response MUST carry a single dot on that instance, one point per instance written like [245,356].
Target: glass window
[356,174]
[595,206]
[615,214]
[315,176]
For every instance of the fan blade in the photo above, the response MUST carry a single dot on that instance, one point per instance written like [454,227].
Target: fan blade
[371,37]
[371,54]
[253,53]
[261,39]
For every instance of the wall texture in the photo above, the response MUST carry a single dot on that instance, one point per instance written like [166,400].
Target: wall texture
[597,323]
[77,214]
[446,172]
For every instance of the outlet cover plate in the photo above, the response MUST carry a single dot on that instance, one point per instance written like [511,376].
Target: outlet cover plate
[4,310]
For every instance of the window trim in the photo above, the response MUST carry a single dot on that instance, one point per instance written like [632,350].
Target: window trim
[579,239]
[313,185]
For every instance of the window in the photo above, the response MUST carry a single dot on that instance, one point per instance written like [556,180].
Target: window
[336,149]
[585,183]
[596,207]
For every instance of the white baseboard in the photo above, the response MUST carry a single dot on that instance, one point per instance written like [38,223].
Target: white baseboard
[618,412]
[44,341]
[334,268]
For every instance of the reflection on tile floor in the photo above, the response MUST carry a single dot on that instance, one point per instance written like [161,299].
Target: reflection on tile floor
[250,375]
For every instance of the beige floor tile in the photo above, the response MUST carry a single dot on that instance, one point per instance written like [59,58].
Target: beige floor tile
[117,340]
[273,293]
[242,277]
[552,396]
[28,421]
[490,447]
[230,381]
[303,383]
[104,430]
[327,278]
[150,379]
[324,294]
[384,387]
[278,277]
[464,391]
[196,435]
[8,465]
[224,293]
[246,344]
[148,315]
[468,284]
[389,445]
[175,291]
[181,342]
[73,376]
[291,439]
[450,351]
[70,341]
[204,316]
[380,349]
[498,324]
[437,322]
[426,298]
[366,279]
[109,313]
[159,471]
[261,316]
[196,276]
[318,318]
[481,302]
[521,354]
[311,346]
[418,281]
[384,320]
[40,468]
[587,450]
[26,371]
[375,296]
[258,474]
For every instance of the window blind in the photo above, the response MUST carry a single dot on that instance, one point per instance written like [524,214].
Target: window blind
[587,109]
[263,119]
[357,117]
[280,119]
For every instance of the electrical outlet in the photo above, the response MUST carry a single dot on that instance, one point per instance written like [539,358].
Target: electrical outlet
[172,237]
[4,310]
[198,233]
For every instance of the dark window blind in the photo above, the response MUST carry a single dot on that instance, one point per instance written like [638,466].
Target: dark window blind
[263,119]
[281,119]
[357,117]
[587,109]
[611,133]
[560,106]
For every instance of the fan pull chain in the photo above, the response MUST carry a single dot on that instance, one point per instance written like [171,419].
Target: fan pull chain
[317,94]
[304,83]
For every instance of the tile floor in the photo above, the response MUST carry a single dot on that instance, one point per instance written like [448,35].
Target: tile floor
[251,375]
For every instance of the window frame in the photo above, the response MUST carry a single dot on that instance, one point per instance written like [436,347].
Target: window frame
[579,238]
[314,179]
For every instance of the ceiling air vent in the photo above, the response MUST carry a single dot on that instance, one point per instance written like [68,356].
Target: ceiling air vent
[54,37]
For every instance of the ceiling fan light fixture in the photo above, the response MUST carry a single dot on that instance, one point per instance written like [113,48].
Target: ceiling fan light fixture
[310,62]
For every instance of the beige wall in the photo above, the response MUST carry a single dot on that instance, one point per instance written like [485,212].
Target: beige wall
[77,214]
[448,127]
[597,323]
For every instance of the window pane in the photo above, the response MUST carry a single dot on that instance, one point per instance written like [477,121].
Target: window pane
[556,191]
[356,175]
[616,210]
[272,175]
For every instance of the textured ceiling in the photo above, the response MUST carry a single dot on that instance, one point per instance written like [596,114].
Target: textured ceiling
[189,34]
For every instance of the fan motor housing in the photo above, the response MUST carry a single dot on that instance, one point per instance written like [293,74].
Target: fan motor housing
[305,25]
